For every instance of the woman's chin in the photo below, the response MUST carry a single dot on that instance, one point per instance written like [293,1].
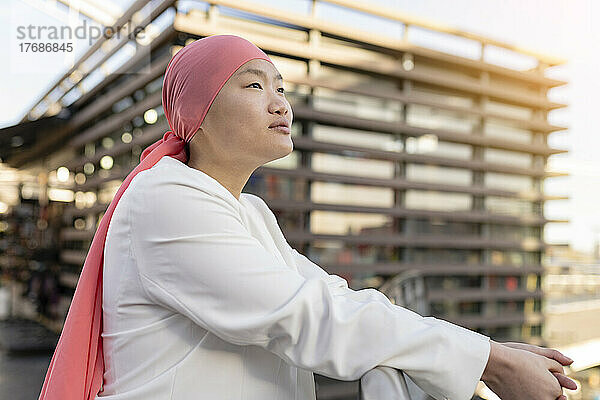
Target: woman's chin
[280,151]
[285,142]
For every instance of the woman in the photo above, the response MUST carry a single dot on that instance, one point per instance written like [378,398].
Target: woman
[203,298]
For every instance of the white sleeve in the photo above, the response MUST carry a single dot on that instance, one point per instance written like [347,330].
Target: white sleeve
[468,352]
[196,257]
[384,383]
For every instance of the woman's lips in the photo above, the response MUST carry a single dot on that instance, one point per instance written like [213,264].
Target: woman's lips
[281,128]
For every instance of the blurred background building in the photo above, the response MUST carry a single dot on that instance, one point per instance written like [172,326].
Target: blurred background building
[415,171]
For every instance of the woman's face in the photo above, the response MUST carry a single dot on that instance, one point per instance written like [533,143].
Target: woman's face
[236,127]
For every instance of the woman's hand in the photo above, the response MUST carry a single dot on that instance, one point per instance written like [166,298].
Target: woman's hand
[517,374]
[542,351]
[550,353]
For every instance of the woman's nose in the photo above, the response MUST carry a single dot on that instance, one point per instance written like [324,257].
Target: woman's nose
[280,107]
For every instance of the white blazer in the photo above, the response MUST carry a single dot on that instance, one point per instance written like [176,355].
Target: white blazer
[203,298]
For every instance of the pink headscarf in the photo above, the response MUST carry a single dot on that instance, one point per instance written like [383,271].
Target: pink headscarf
[193,78]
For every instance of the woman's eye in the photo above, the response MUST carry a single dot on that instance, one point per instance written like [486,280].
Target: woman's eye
[256,83]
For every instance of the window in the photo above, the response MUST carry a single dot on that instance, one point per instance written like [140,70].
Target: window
[154,86]
[517,183]
[436,174]
[440,95]
[509,206]
[345,223]
[502,130]
[338,193]
[511,232]
[275,187]
[447,308]
[443,256]
[122,104]
[431,200]
[506,157]
[324,252]
[440,227]
[289,219]
[503,332]
[514,258]
[453,282]
[434,118]
[435,147]
[536,330]
[508,110]
[504,307]
[346,165]
[355,105]
[354,137]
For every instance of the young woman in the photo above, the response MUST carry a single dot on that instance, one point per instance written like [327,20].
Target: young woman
[201,296]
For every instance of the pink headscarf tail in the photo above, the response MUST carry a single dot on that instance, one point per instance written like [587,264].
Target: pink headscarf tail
[192,80]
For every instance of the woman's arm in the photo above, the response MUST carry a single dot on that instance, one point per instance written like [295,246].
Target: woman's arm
[461,362]
[196,257]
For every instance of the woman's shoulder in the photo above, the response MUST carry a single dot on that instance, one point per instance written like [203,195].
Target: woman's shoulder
[173,188]
[261,206]
[257,202]
[163,168]
[170,175]
[254,199]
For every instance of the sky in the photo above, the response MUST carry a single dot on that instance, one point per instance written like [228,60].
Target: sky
[560,28]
